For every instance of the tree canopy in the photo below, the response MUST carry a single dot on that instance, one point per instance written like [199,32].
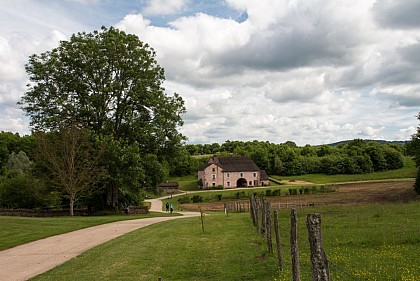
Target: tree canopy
[107,81]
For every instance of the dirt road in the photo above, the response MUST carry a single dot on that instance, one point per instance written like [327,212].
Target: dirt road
[31,259]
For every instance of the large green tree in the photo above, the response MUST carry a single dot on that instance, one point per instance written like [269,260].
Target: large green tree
[107,81]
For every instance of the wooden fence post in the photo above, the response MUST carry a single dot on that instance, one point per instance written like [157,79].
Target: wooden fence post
[263,217]
[277,232]
[268,227]
[294,250]
[319,262]
[256,212]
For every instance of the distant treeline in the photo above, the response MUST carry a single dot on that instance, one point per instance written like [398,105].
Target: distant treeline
[352,157]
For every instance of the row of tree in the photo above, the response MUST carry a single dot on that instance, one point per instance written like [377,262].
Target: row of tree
[352,157]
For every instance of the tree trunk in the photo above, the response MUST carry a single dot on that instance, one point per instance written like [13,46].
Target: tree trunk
[71,204]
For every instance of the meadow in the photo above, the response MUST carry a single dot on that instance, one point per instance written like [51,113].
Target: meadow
[372,242]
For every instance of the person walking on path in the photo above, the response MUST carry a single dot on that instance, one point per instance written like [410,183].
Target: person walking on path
[171,208]
[167,207]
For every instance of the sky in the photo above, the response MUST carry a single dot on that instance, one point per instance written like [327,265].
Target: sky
[308,71]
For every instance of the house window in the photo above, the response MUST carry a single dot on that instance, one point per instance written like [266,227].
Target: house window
[214,170]
[250,183]
[213,176]
[228,183]
[228,175]
[214,184]
[241,175]
[255,175]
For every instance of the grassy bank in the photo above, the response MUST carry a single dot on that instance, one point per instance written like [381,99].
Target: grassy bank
[20,230]
[374,242]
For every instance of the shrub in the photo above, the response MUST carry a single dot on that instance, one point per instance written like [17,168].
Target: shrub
[240,194]
[276,192]
[268,192]
[220,186]
[197,199]
[306,190]
[219,197]
[184,200]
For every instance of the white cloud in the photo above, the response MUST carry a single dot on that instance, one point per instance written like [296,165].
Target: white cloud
[164,7]
[310,71]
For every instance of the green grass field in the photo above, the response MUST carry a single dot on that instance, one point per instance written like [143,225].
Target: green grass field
[409,171]
[374,242]
[20,230]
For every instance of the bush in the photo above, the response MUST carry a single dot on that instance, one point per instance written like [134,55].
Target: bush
[219,197]
[276,192]
[220,186]
[197,199]
[240,194]
[184,200]
[268,192]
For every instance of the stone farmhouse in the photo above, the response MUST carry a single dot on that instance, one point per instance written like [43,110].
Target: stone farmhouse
[231,172]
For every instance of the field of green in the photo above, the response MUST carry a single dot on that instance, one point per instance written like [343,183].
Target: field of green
[373,242]
[20,230]
[409,171]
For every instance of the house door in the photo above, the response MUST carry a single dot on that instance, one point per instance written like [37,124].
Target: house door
[241,182]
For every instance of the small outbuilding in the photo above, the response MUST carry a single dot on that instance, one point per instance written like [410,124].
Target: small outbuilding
[169,187]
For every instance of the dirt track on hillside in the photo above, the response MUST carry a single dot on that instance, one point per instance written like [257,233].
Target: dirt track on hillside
[345,194]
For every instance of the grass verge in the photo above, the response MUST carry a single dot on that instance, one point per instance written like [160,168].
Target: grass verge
[20,230]
[229,249]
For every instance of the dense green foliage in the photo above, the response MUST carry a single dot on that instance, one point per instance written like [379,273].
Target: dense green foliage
[287,159]
[109,83]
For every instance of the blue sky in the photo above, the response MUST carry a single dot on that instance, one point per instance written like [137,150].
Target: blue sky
[308,71]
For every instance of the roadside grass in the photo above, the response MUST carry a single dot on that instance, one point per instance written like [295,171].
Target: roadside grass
[229,249]
[19,230]
[372,242]
[409,171]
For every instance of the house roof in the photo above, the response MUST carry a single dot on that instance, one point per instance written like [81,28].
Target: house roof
[233,163]
[169,184]
[264,175]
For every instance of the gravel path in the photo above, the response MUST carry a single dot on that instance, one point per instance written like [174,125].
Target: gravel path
[31,259]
